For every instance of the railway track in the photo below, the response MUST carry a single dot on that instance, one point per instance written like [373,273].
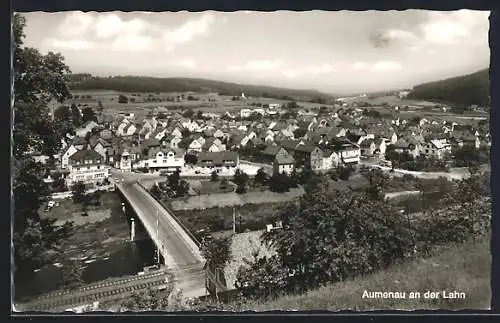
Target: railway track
[59,301]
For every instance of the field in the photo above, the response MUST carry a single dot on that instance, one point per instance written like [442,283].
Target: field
[109,100]
[67,211]
[234,199]
[463,268]
[215,219]
[391,100]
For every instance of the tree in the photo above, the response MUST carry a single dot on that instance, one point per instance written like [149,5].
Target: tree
[185,133]
[156,192]
[189,113]
[241,180]
[333,235]
[467,156]
[294,178]
[38,79]
[88,114]
[378,182]
[345,172]
[78,191]
[214,176]
[217,252]
[261,176]
[149,300]
[72,274]
[190,159]
[76,116]
[299,133]
[122,99]
[63,113]
[280,183]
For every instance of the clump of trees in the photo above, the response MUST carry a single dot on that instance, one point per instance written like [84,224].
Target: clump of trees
[280,183]
[333,235]
[241,181]
[34,130]
[173,187]
[122,99]
[217,253]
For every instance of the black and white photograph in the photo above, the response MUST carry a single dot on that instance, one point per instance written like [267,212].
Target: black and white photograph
[250,161]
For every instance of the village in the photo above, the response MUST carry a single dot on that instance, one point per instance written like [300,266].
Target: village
[273,137]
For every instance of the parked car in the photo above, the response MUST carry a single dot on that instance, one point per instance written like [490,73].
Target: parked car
[51,204]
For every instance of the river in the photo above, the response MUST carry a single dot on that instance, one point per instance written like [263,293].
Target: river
[120,258]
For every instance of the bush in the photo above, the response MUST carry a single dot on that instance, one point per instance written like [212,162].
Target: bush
[345,172]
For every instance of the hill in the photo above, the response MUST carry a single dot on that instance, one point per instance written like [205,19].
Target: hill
[152,84]
[467,90]
[462,268]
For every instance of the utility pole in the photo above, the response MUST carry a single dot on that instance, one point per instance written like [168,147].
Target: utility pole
[234,220]
[157,237]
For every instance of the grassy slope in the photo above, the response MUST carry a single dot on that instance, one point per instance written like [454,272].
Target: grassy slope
[467,89]
[464,268]
[150,84]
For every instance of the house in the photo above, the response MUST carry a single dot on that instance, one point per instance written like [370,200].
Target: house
[168,160]
[218,134]
[159,133]
[121,126]
[436,149]
[309,155]
[125,162]
[348,152]
[195,145]
[244,247]
[86,166]
[213,145]
[405,146]
[101,146]
[270,153]
[330,159]
[380,146]
[127,130]
[69,151]
[77,145]
[218,160]
[176,132]
[459,131]
[87,127]
[283,164]
[173,141]
[106,134]
[368,148]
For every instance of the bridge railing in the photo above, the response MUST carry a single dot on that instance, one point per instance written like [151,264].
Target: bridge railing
[172,214]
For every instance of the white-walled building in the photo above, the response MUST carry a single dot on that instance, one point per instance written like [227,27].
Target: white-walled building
[169,160]
[436,149]
[87,166]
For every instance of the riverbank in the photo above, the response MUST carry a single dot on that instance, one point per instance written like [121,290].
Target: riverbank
[99,244]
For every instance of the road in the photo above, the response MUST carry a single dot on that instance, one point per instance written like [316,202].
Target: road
[177,251]
[180,254]
[453,174]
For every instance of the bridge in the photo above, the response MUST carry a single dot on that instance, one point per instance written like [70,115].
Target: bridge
[179,249]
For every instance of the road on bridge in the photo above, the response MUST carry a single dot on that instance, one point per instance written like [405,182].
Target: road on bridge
[179,255]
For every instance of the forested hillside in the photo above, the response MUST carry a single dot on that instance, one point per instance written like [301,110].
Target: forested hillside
[468,89]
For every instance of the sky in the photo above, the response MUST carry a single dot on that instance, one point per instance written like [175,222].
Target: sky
[338,52]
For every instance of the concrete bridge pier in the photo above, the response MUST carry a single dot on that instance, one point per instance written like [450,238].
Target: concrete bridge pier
[132,229]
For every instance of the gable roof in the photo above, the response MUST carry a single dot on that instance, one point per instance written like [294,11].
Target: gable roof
[284,160]
[86,154]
